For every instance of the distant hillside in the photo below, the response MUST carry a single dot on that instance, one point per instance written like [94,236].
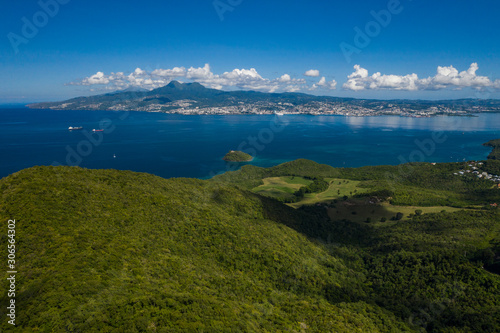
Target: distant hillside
[114,251]
[495,153]
[192,94]
[195,98]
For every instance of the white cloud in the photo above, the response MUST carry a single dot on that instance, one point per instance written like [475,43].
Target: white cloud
[237,74]
[201,73]
[174,72]
[118,80]
[449,76]
[248,79]
[241,78]
[446,77]
[332,85]
[359,73]
[139,71]
[98,78]
[205,76]
[312,72]
[285,78]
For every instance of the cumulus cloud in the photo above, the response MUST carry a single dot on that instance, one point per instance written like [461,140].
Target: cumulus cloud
[449,76]
[97,78]
[285,78]
[174,72]
[119,80]
[248,79]
[312,72]
[331,85]
[245,78]
[240,78]
[446,77]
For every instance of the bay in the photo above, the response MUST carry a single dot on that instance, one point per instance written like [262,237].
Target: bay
[171,145]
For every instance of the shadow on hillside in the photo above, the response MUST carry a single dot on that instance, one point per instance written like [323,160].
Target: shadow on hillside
[314,222]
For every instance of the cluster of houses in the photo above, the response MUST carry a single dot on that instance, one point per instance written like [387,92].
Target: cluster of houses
[475,169]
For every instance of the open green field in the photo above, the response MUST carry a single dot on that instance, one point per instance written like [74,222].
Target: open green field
[281,187]
[338,189]
[284,187]
[353,209]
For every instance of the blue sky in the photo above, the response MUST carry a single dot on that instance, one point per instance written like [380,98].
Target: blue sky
[421,50]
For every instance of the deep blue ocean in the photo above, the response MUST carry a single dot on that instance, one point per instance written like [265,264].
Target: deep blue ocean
[171,145]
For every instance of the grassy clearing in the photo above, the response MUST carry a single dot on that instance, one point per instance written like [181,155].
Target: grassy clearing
[356,210]
[282,187]
[338,189]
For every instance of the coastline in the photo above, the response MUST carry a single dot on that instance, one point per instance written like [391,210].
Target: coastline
[197,112]
[38,138]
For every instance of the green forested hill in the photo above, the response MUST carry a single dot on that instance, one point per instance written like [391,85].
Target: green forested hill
[495,153]
[117,251]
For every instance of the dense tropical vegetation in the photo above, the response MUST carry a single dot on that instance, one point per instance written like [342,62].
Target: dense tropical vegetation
[495,153]
[115,251]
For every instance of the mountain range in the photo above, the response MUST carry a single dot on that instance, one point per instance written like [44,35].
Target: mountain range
[178,97]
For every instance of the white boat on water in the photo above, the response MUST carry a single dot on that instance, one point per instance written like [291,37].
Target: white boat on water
[279,113]
[71,128]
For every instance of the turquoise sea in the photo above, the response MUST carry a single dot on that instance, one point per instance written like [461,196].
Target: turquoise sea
[170,145]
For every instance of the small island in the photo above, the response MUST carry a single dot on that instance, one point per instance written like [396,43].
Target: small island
[237,156]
